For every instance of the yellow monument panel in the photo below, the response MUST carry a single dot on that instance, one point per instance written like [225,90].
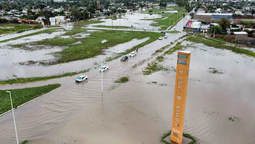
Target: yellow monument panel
[181,83]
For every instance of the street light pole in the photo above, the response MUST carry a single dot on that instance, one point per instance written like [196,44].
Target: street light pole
[14,118]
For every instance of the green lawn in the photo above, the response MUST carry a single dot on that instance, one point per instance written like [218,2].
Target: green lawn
[57,41]
[11,28]
[21,96]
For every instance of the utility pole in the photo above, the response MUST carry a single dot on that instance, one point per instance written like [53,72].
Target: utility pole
[15,127]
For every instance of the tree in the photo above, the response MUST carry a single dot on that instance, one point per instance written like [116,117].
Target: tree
[216,29]
[224,23]
[75,14]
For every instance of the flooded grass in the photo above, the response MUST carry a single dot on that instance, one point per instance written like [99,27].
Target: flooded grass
[160,58]
[84,23]
[21,96]
[24,142]
[153,67]
[11,28]
[173,32]
[219,44]
[57,41]
[116,27]
[92,45]
[33,79]
[75,31]
[122,80]
[49,31]
[214,70]
[194,141]
[178,46]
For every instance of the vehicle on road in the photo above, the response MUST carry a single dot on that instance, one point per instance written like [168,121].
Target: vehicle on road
[160,38]
[163,32]
[124,58]
[165,37]
[81,78]
[132,54]
[103,68]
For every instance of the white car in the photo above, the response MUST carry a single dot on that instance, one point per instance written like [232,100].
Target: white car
[103,41]
[81,78]
[165,37]
[160,38]
[132,54]
[103,68]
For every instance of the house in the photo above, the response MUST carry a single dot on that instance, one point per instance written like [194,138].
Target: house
[40,19]
[36,10]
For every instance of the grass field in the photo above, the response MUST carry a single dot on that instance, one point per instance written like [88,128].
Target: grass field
[92,45]
[11,28]
[21,96]
[167,18]
[33,79]
[57,41]
[84,23]
[219,44]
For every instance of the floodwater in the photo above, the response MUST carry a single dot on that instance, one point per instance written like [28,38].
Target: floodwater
[140,111]
[12,68]
[33,38]
[137,20]
[125,46]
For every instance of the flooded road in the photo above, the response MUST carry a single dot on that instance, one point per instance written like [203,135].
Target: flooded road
[140,111]
[12,66]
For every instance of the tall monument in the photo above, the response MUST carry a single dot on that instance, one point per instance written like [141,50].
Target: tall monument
[181,84]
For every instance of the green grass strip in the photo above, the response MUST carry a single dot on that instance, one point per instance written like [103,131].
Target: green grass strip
[33,79]
[219,44]
[21,96]
[194,141]
[57,41]
[49,31]
[24,142]
[122,80]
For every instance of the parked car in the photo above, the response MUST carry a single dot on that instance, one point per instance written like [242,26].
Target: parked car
[132,54]
[165,37]
[103,68]
[124,58]
[81,78]
[163,32]
[160,38]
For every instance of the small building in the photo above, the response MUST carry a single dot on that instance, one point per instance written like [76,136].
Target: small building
[193,26]
[201,10]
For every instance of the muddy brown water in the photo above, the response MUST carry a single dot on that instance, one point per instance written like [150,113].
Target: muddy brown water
[137,112]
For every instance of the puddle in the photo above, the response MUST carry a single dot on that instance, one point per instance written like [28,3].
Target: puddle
[81,35]
[78,42]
